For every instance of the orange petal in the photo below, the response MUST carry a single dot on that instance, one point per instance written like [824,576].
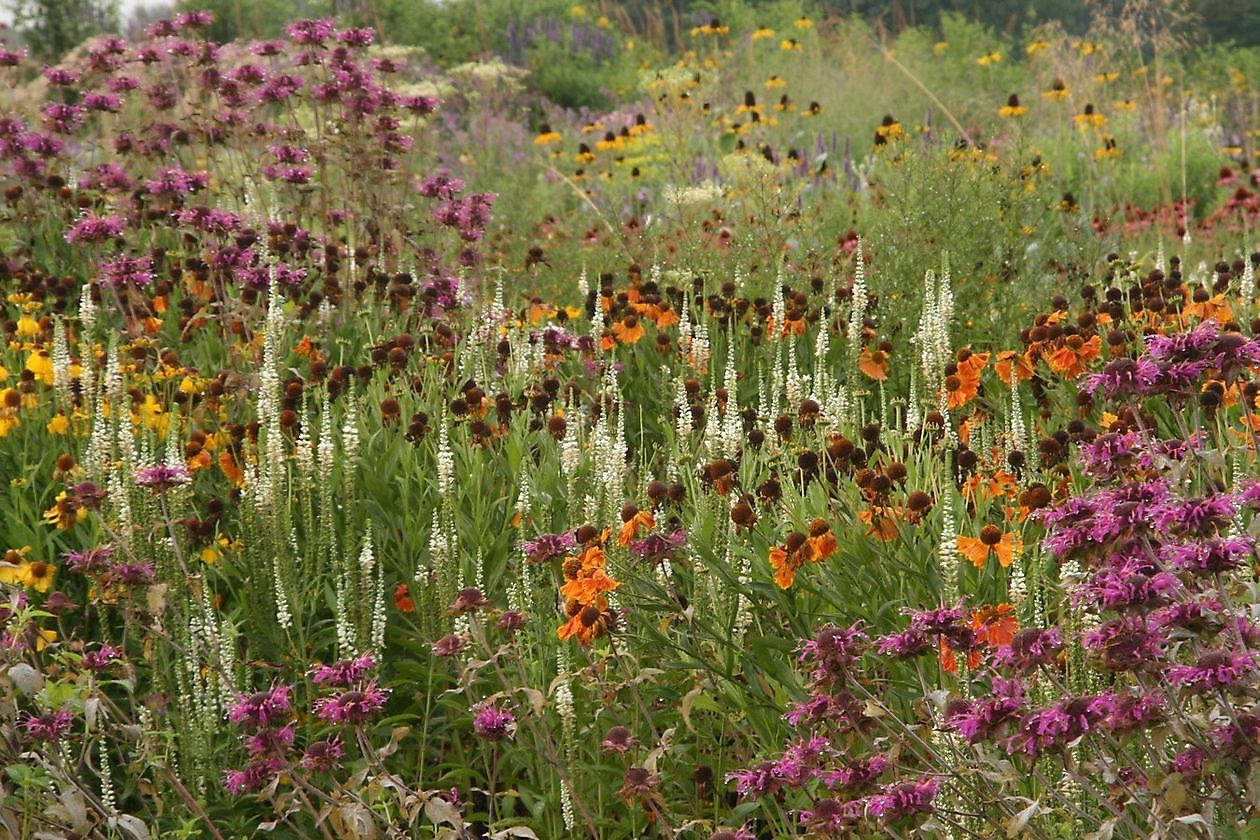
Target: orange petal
[974,550]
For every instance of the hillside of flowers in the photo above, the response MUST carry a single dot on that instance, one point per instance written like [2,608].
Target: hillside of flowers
[838,435]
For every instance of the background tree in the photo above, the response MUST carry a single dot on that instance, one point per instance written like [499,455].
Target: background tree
[51,28]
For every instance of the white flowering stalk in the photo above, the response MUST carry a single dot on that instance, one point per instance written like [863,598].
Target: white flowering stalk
[732,423]
[1018,429]
[712,439]
[568,729]
[269,472]
[743,606]
[701,350]
[304,447]
[326,447]
[87,349]
[1247,285]
[345,633]
[684,427]
[377,635]
[763,394]
[174,453]
[684,326]
[524,492]
[947,556]
[778,311]
[821,378]
[793,387]
[914,417]
[108,798]
[1017,585]
[571,448]
[445,459]
[61,364]
[932,337]
[858,304]
[942,406]
[598,320]
[350,432]
[98,455]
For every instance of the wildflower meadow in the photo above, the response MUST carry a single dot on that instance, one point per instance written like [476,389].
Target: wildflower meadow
[727,421]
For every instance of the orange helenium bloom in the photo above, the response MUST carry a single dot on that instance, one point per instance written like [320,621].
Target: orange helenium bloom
[1013,367]
[640,521]
[874,363]
[628,330]
[585,624]
[882,522]
[962,387]
[991,541]
[586,589]
[995,627]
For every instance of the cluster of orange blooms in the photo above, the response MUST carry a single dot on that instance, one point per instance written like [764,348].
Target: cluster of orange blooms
[799,549]
[585,588]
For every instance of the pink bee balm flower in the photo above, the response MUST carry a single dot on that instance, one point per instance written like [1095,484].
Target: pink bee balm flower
[353,706]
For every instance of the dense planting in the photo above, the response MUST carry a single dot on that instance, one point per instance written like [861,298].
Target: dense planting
[383,458]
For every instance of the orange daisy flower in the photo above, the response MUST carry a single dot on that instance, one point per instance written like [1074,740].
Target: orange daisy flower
[587,589]
[995,627]
[881,521]
[628,330]
[1013,367]
[822,541]
[990,542]
[586,623]
[962,386]
[874,363]
[786,560]
[635,521]
[402,599]
[1070,359]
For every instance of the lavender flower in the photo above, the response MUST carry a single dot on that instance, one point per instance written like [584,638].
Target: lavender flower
[449,645]
[830,817]
[833,651]
[344,672]
[903,800]
[1030,649]
[654,548]
[262,708]
[162,477]
[547,546]
[979,720]
[1123,376]
[1130,643]
[1218,669]
[322,756]
[89,560]
[124,271]
[49,728]
[142,573]
[618,739]
[93,228]
[101,658]
[492,722]
[905,644]
[354,706]
[1058,725]
[468,600]
[253,776]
